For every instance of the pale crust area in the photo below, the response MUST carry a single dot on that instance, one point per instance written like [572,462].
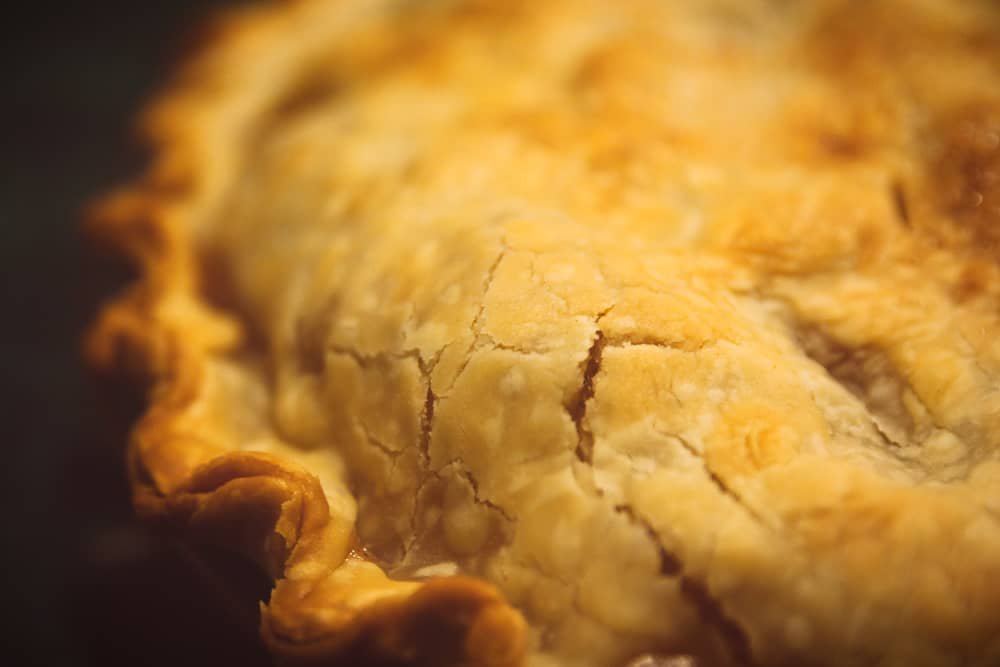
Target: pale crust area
[677,323]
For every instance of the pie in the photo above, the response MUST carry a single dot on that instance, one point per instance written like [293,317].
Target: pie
[580,333]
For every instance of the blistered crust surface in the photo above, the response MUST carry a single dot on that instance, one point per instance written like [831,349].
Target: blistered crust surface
[676,322]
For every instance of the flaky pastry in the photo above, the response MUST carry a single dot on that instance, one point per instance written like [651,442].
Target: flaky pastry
[580,332]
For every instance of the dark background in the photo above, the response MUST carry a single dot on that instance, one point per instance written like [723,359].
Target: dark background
[82,582]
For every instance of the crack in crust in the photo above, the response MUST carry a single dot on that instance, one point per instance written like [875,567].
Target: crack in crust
[712,613]
[723,488]
[898,195]
[427,422]
[476,325]
[697,594]
[477,496]
[670,565]
[577,408]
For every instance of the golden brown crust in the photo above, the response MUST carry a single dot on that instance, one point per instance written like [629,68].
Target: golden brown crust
[671,376]
[327,607]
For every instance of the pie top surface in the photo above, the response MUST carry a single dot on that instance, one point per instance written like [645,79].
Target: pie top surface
[587,330]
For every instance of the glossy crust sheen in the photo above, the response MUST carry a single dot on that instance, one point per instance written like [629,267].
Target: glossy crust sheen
[678,323]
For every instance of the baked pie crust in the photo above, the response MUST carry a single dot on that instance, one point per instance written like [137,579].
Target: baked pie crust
[580,332]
